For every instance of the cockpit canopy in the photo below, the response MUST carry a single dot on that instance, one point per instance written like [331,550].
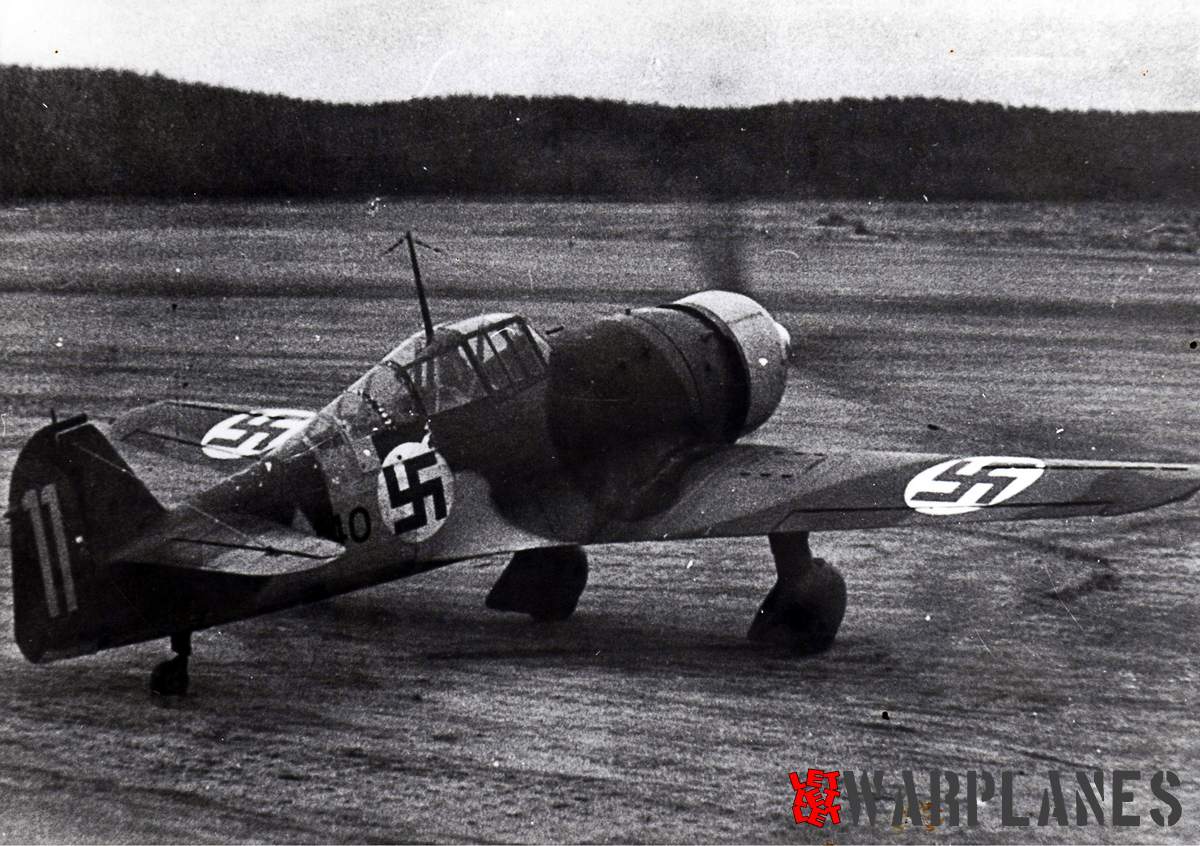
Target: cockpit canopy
[493,354]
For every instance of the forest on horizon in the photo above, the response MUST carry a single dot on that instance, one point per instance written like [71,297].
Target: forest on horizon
[104,133]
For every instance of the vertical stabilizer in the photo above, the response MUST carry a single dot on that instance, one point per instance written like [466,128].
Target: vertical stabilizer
[72,502]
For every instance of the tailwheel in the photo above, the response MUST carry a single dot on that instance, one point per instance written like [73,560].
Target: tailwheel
[543,583]
[170,678]
[805,608]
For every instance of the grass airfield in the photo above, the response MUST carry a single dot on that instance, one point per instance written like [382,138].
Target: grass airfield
[410,712]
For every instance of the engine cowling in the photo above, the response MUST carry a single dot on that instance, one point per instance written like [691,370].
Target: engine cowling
[763,347]
[710,367]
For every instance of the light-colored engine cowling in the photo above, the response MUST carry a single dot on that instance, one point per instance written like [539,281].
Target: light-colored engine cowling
[763,344]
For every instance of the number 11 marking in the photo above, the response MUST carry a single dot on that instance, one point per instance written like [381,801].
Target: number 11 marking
[32,502]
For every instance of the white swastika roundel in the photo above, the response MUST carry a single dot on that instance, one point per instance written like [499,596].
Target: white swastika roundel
[253,433]
[962,485]
[416,491]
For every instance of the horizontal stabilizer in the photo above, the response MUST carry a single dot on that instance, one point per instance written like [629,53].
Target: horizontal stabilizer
[230,543]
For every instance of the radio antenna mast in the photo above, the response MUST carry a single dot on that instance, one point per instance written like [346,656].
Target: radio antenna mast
[426,320]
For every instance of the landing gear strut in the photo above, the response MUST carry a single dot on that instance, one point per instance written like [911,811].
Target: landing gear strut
[170,678]
[805,608]
[543,583]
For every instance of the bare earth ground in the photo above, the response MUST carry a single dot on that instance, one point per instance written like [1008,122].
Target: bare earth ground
[409,712]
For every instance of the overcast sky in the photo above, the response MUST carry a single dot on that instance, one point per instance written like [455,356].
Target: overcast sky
[1100,54]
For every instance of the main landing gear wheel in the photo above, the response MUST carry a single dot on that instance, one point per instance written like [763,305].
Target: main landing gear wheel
[543,583]
[805,608]
[170,678]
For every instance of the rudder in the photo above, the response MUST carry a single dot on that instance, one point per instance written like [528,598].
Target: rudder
[73,501]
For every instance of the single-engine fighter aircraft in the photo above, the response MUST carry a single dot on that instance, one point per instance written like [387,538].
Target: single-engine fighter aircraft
[485,436]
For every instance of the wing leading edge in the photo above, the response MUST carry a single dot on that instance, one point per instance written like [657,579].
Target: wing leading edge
[755,490]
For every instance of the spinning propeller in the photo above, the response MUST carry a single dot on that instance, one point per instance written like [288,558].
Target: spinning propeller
[867,362]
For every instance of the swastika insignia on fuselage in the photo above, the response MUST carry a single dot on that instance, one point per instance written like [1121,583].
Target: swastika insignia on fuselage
[416,491]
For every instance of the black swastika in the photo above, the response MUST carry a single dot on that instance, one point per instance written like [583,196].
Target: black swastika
[415,493]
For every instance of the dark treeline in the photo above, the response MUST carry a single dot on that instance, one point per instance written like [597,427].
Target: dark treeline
[111,133]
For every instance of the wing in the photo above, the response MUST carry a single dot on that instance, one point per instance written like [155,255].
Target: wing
[179,447]
[224,437]
[756,490]
[229,543]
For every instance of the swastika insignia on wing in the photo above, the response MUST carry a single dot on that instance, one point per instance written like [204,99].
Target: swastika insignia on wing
[962,485]
[253,433]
